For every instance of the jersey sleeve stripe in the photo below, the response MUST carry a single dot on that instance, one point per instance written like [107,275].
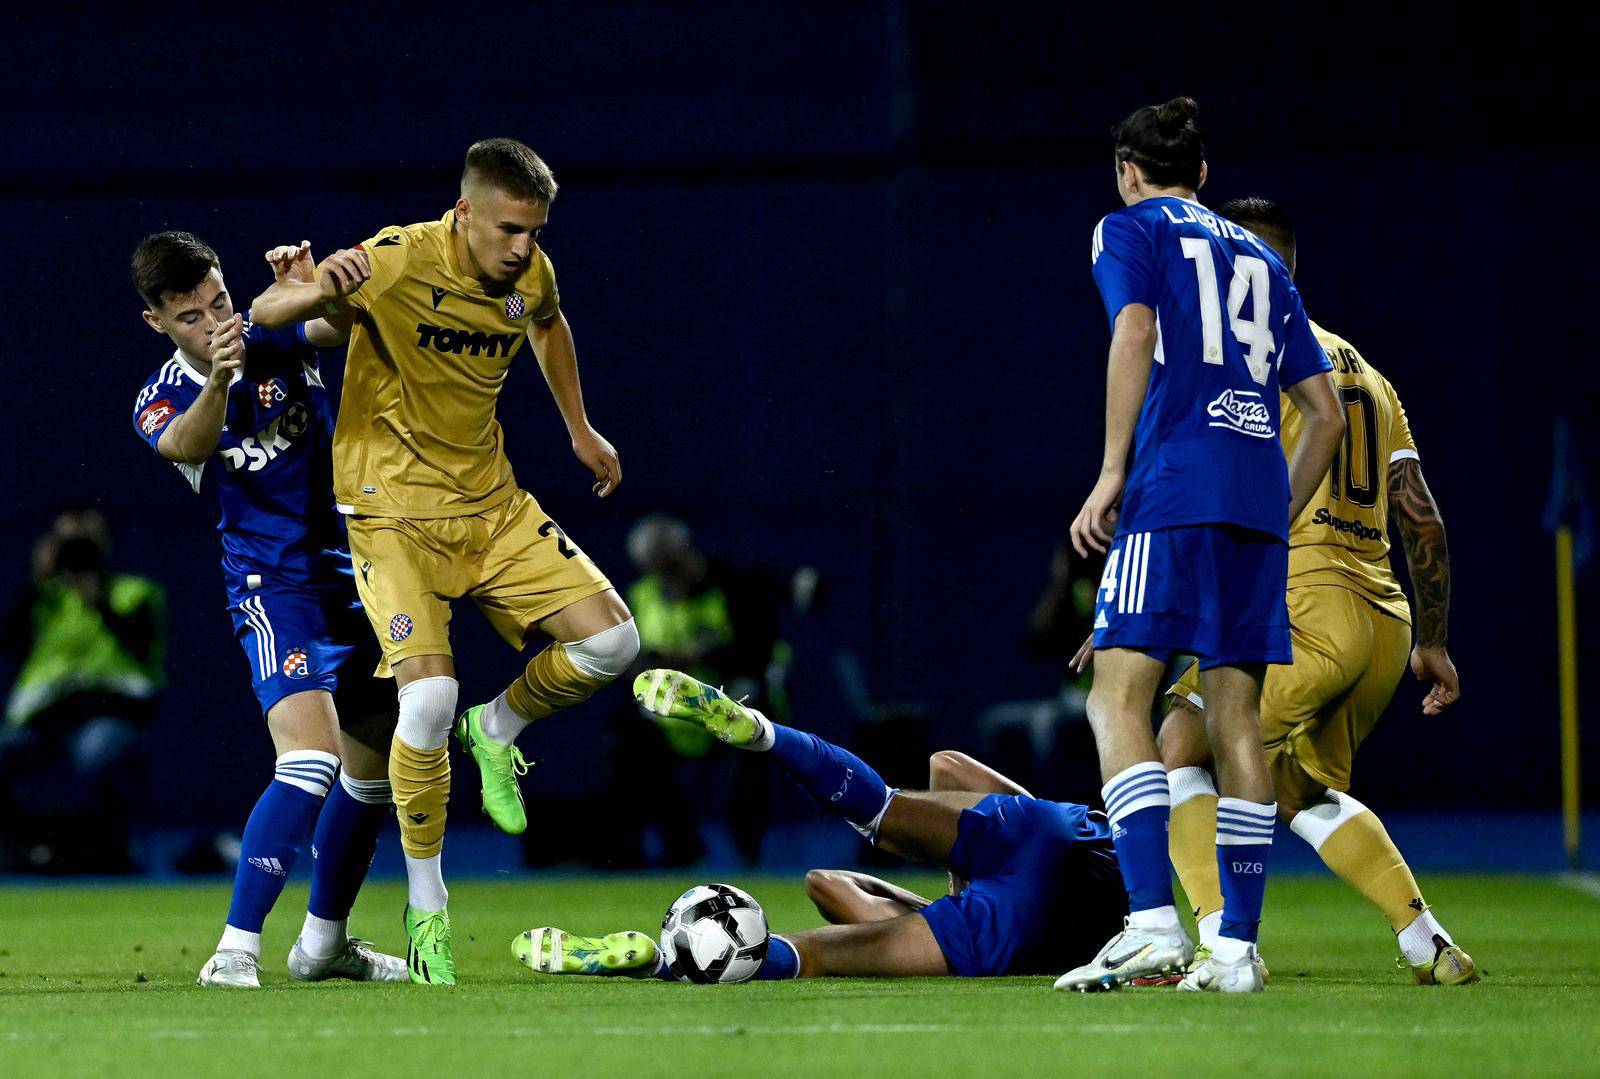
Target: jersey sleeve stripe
[1404,455]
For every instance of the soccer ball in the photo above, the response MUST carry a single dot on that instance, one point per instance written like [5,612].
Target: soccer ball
[714,933]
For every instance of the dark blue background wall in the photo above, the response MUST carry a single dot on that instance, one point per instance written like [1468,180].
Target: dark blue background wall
[827,268]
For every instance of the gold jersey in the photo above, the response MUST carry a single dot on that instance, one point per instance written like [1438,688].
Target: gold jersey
[429,350]
[1342,537]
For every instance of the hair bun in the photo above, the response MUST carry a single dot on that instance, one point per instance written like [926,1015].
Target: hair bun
[1177,112]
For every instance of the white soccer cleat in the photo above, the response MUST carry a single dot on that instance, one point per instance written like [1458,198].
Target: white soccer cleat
[359,962]
[231,969]
[1212,975]
[1132,953]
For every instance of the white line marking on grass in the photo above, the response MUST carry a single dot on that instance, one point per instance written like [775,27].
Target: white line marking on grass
[1587,883]
[1064,1028]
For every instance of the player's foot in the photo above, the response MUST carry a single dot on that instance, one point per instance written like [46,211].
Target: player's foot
[1449,966]
[675,695]
[553,951]
[1132,953]
[232,969]
[1208,974]
[429,955]
[358,962]
[498,766]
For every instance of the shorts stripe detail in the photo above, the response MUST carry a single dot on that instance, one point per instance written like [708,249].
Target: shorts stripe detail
[256,636]
[1122,579]
[1144,570]
[266,640]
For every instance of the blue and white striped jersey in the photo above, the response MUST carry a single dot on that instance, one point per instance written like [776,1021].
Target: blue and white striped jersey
[1230,333]
[270,481]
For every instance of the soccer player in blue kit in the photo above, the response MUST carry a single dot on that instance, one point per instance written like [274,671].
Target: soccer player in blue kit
[1033,883]
[242,412]
[1192,509]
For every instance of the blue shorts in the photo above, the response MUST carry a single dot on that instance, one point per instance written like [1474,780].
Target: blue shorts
[1044,891]
[298,639]
[1216,591]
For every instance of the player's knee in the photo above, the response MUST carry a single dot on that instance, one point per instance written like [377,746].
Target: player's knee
[823,888]
[607,654]
[945,769]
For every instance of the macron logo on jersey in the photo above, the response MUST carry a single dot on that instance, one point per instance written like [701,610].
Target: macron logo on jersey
[1242,411]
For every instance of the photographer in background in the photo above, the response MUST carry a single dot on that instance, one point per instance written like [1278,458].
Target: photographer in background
[89,645]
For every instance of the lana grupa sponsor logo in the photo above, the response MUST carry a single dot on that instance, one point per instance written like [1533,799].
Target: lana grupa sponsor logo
[1242,411]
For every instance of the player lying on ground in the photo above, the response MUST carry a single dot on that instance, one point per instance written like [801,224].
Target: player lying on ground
[434,511]
[242,413]
[1192,507]
[1034,884]
[1352,637]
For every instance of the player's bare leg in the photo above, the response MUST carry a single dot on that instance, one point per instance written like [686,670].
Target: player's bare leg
[950,770]
[845,897]
[594,642]
[419,777]
[899,947]
[1246,814]
[1153,941]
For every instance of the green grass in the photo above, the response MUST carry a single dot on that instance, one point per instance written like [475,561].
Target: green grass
[100,980]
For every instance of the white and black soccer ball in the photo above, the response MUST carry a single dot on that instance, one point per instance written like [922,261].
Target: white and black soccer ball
[714,933]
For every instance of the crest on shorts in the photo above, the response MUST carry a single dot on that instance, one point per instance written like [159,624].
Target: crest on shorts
[515,308]
[297,664]
[399,627]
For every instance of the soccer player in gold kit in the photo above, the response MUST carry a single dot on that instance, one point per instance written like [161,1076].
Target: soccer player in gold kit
[438,311]
[1352,637]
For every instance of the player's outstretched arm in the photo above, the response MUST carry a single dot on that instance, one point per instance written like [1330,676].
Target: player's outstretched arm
[293,298]
[1319,406]
[1428,557]
[558,360]
[192,436]
[1133,350]
[293,262]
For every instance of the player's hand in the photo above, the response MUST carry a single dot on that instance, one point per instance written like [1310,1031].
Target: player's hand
[1435,666]
[343,272]
[225,350]
[599,457]
[1084,655]
[291,263]
[1096,524]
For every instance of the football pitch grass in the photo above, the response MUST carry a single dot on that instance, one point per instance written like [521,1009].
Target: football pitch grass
[99,980]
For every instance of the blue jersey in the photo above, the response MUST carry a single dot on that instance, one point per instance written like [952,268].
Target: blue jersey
[270,480]
[1230,333]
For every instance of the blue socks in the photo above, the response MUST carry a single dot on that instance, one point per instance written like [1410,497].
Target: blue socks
[1139,803]
[781,964]
[344,842]
[841,782]
[272,839]
[1244,839]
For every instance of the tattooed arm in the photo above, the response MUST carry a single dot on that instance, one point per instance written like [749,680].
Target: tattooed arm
[1428,556]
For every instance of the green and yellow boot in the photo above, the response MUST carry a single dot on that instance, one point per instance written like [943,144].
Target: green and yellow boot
[429,955]
[675,695]
[548,950]
[498,766]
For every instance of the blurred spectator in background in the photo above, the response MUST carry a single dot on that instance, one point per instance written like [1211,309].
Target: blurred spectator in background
[719,623]
[90,647]
[1046,743]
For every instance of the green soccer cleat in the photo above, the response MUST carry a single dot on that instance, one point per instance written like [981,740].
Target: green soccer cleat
[548,950]
[675,695]
[498,766]
[428,952]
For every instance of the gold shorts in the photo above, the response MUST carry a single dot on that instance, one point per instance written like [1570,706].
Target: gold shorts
[1348,659]
[513,560]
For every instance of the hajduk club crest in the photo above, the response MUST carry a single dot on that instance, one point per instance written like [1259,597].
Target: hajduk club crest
[514,306]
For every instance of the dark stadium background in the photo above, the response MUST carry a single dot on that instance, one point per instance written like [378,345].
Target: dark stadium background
[827,267]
